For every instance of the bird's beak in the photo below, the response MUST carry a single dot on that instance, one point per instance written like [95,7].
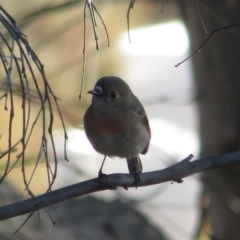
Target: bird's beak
[93,92]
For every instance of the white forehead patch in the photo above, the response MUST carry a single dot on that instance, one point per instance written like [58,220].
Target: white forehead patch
[98,89]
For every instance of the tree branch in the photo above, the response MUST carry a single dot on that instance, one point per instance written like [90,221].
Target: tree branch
[206,40]
[173,173]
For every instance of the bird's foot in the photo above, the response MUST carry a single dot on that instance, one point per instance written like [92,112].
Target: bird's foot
[102,177]
[136,178]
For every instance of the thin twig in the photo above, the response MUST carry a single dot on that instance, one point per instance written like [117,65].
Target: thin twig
[130,6]
[84,50]
[92,10]
[206,40]
[103,23]
[94,23]
[28,217]
[50,217]
[10,126]
[14,42]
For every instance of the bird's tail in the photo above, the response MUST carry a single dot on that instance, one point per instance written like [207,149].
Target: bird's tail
[134,165]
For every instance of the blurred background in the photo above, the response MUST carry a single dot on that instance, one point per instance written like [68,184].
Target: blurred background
[192,108]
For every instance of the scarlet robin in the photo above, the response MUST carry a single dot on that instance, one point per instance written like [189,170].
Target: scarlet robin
[116,123]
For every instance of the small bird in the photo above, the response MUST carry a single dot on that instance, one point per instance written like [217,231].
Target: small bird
[116,124]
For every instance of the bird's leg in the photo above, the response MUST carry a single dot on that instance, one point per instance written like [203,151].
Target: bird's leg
[100,173]
[135,167]
[102,177]
[136,174]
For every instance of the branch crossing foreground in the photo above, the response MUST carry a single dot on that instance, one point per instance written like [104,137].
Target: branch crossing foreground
[174,173]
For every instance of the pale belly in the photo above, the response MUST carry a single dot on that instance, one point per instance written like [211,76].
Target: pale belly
[130,144]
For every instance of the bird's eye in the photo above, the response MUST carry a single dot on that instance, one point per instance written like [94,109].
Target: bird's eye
[114,94]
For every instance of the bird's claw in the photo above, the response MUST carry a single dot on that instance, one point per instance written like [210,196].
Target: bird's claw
[103,181]
[136,179]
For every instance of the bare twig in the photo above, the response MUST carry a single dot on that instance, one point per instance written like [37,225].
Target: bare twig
[130,6]
[24,222]
[84,51]
[18,57]
[177,171]
[206,40]
[103,23]
[92,10]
